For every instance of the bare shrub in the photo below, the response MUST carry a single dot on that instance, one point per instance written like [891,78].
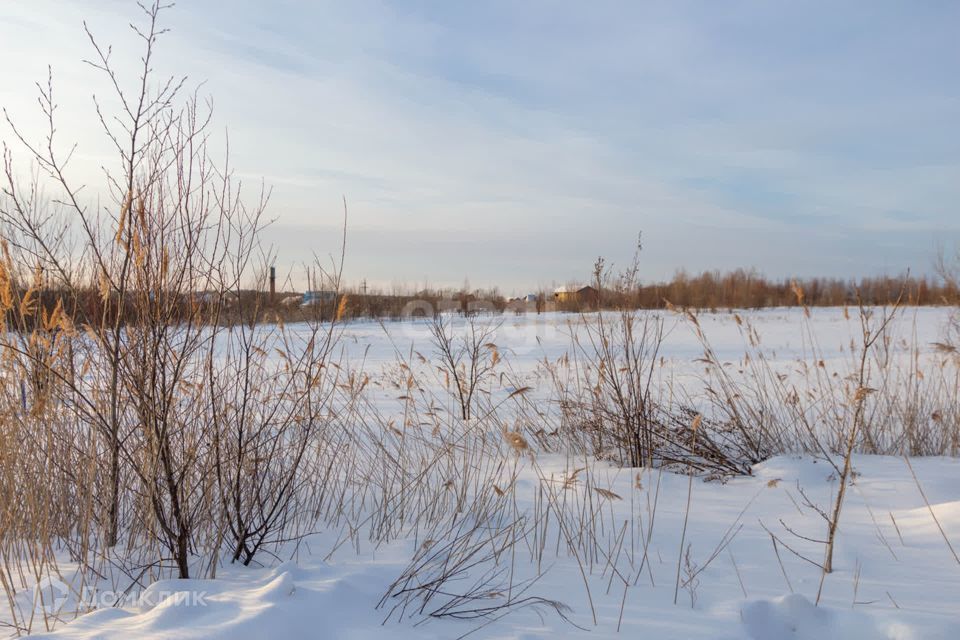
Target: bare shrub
[466,360]
[153,424]
[613,402]
[271,405]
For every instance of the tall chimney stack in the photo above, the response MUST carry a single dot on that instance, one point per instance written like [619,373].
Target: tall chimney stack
[273,284]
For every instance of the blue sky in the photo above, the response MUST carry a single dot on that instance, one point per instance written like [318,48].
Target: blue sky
[512,142]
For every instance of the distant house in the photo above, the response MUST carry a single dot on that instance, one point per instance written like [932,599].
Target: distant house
[524,304]
[576,295]
[204,297]
[460,302]
[317,297]
[227,298]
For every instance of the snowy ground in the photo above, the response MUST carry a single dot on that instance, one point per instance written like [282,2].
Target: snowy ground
[886,584]
[895,574]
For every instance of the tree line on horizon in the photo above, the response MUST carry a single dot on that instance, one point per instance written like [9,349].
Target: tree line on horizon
[709,290]
[746,289]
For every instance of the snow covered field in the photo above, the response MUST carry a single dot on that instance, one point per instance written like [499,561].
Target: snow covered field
[566,546]
[886,584]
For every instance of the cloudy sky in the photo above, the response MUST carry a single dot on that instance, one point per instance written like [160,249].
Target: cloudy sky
[512,142]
